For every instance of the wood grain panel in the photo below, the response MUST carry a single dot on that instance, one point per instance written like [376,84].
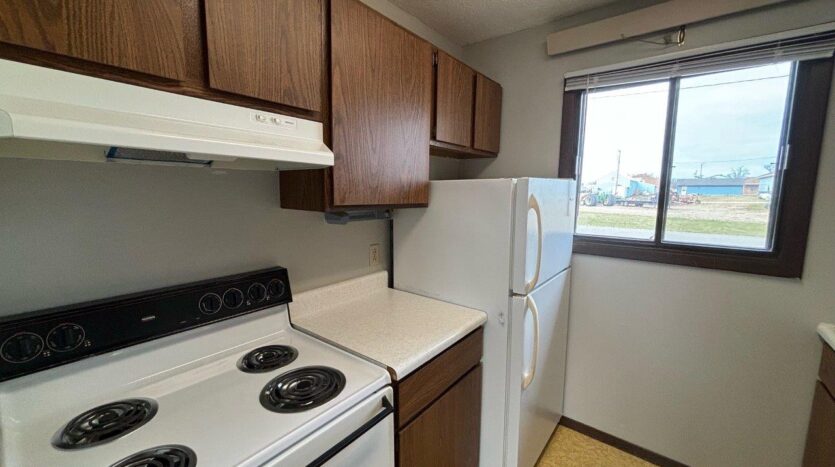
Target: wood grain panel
[488,114]
[268,49]
[381,109]
[428,382]
[454,101]
[820,438]
[441,149]
[826,373]
[146,36]
[446,434]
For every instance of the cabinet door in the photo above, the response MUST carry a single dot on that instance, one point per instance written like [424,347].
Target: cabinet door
[488,114]
[145,36]
[454,101]
[267,49]
[381,109]
[447,433]
[820,449]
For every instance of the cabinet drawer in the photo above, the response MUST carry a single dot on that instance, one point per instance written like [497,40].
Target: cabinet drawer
[431,380]
[447,433]
[820,450]
[826,373]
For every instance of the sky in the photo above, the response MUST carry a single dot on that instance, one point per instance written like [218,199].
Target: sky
[724,121]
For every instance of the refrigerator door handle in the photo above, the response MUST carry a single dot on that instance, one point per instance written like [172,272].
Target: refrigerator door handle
[534,204]
[527,376]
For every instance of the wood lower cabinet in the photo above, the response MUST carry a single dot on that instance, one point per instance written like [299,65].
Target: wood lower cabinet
[381,105]
[446,434]
[488,114]
[147,36]
[820,438]
[438,408]
[267,49]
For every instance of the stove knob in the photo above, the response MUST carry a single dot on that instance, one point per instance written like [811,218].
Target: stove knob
[209,303]
[233,298]
[21,347]
[65,337]
[276,288]
[256,292]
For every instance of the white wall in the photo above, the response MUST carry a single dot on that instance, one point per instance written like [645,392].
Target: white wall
[710,368]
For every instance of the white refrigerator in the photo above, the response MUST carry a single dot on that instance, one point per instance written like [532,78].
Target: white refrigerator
[502,246]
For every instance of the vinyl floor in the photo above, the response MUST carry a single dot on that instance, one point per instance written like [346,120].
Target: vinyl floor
[570,448]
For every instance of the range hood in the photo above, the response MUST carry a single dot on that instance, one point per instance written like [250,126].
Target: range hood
[51,114]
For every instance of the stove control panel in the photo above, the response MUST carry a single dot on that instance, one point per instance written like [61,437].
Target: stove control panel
[40,340]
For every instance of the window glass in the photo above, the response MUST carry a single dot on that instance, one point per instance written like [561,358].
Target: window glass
[726,145]
[621,158]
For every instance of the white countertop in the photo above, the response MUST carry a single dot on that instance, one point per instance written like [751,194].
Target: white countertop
[396,329]
[827,333]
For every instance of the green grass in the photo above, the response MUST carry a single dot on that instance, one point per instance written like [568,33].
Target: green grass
[707,226]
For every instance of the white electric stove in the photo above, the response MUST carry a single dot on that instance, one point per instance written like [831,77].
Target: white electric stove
[238,387]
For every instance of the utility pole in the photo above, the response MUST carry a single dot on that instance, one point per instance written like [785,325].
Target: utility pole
[617,176]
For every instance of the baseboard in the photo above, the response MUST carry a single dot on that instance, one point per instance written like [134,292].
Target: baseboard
[621,444]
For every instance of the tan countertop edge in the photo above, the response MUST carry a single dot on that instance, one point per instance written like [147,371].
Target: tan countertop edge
[827,333]
[394,329]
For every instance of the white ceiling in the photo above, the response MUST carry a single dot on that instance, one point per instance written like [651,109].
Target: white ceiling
[470,21]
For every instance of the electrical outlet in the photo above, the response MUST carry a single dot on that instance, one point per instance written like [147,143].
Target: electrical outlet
[374,254]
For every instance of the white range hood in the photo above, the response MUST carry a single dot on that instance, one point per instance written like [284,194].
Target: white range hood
[51,114]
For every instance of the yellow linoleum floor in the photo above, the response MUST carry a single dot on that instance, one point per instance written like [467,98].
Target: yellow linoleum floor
[569,448]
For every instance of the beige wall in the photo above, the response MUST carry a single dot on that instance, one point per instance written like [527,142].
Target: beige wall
[74,231]
[710,368]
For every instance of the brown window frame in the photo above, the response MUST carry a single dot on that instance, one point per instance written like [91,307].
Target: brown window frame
[785,259]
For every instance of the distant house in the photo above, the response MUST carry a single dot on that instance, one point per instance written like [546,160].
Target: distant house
[712,186]
[766,183]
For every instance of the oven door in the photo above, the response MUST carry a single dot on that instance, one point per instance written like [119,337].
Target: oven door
[362,436]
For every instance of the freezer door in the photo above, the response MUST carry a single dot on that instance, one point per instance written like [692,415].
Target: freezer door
[543,230]
[536,376]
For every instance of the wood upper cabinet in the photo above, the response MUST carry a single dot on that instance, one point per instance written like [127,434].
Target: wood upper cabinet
[145,36]
[454,101]
[488,114]
[267,49]
[381,105]
[468,108]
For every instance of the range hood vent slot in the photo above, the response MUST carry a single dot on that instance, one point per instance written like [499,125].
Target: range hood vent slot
[146,156]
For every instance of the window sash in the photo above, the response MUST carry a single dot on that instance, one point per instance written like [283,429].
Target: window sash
[786,258]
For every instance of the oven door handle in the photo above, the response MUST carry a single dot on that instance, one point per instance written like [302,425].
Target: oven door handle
[367,426]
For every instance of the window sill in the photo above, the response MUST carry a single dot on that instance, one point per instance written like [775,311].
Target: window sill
[745,261]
